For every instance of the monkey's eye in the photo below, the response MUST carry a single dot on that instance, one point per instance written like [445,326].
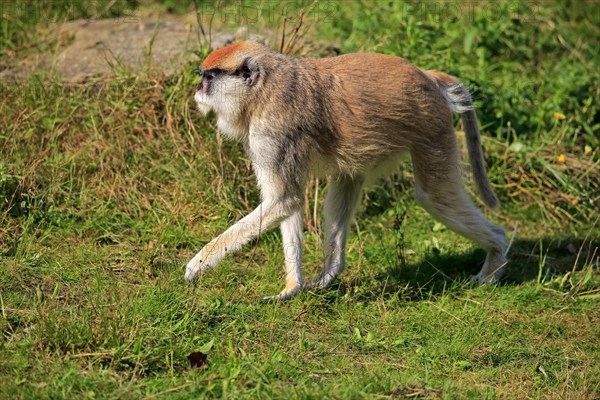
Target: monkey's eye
[208,75]
[245,72]
[198,71]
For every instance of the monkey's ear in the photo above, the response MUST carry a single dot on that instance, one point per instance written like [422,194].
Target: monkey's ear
[249,71]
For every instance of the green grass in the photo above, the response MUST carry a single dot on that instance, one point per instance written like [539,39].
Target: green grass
[107,189]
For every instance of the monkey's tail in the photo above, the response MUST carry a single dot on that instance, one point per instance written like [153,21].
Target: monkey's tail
[459,99]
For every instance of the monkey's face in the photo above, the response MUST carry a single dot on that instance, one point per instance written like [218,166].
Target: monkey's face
[225,92]
[219,91]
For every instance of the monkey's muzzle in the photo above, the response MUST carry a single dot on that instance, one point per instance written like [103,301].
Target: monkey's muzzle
[201,99]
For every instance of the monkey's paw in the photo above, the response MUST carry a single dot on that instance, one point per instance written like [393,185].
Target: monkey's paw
[320,281]
[285,294]
[480,279]
[195,267]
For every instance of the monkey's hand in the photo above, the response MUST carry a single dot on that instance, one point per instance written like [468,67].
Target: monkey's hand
[208,257]
[194,268]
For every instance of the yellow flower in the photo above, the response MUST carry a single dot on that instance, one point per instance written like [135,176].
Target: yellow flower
[559,115]
[574,202]
[562,158]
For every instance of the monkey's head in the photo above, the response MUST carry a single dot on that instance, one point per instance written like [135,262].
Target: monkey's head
[229,76]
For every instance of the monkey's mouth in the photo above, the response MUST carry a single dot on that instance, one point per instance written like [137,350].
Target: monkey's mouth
[202,102]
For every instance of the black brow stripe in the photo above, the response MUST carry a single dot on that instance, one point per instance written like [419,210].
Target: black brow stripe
[215,71]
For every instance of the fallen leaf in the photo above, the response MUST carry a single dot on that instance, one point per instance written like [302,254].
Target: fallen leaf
[198,360]
[559,116]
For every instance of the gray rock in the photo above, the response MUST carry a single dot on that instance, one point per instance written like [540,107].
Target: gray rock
[98,47]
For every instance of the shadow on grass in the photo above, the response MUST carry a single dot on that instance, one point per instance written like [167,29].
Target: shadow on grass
[437,273]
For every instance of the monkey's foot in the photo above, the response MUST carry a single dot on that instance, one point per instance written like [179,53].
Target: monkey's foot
[486,279]
[285,294]
[320,281]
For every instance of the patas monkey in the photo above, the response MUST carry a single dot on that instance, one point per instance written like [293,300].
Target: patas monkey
[347,117]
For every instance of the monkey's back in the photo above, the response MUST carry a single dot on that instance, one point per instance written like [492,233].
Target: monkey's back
[382,105]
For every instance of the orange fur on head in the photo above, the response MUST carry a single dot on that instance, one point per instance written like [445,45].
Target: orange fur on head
[230,57]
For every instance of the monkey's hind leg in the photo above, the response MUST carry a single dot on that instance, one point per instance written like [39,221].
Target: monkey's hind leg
[440,190]
[342,198]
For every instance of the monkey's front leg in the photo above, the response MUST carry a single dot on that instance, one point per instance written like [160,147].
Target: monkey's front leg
[291,233]
[264,217]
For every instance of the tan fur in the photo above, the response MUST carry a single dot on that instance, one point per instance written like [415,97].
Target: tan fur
[345,117]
